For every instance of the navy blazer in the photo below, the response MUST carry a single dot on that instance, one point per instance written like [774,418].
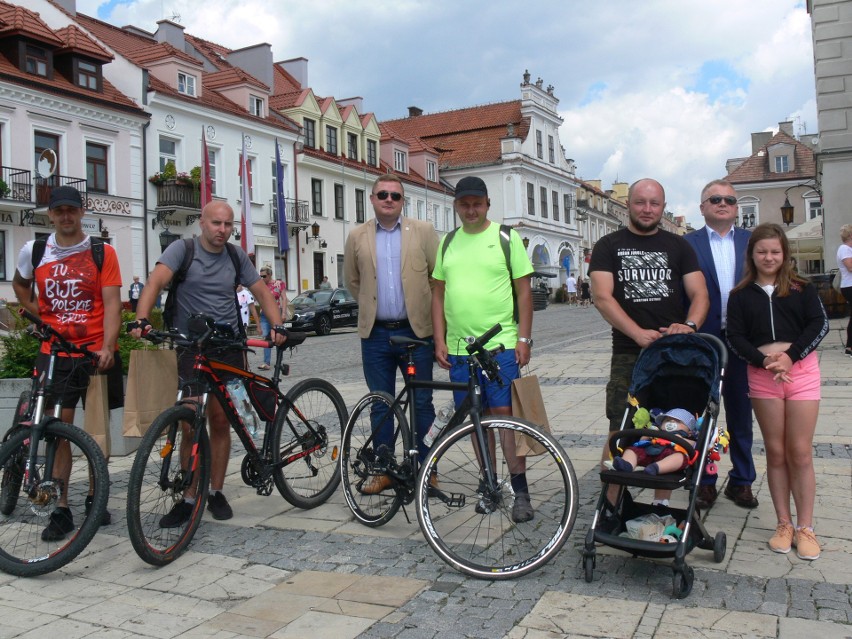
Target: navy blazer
[700,241]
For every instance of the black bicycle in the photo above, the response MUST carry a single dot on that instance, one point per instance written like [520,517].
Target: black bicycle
[47,520]
[463,490]
[298,455]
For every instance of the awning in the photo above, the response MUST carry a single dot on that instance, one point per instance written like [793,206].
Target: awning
[806,241]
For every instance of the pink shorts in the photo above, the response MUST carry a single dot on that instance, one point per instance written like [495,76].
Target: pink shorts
[805,384]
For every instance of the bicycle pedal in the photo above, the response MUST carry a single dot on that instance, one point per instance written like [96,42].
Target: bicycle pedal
[454,500]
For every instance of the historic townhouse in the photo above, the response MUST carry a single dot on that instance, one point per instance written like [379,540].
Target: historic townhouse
[63,122]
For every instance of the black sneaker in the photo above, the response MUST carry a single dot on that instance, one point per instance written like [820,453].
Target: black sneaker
[218,505]
[61,523]
[178,515]
[522,510]
[106,518]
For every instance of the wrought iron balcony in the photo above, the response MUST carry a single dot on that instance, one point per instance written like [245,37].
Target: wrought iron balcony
[172,195]
[43,187]
[16,185]
[296,211]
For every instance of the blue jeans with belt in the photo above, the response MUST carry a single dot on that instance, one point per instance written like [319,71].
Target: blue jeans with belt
[381,361]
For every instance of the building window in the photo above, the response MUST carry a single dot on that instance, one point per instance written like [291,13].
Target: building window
[3,256]
[186,83]
[256,106]
[782,164]
[406,209]
[431,171]
[814,209]
[399,161]
[43,141]
[566,206]
[316,196]
[211,160]
[551,150]
[544,201]
[338,201]
[448,218]
[331,139]
[539,145]
[96,167]
[87,75]
[555,206]
[168,153]
[360,205]
[36,61]
[420,209]
[372,153]
[310,133]
[530,198]
[352,146]
[748,215]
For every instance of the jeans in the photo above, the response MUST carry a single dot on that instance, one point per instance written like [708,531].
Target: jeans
[380,361]
[265,329]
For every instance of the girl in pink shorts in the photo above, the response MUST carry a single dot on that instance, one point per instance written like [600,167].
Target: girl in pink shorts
[775,322]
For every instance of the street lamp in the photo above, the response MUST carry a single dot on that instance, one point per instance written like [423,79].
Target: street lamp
[787,210]
[526,242]
[315,235]
[166,239]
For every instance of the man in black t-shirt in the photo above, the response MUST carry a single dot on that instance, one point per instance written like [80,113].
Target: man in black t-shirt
[639,275]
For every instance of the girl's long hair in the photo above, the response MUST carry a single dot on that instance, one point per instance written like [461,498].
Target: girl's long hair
[786,277]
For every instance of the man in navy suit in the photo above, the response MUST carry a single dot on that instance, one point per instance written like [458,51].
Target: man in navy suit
[721,248]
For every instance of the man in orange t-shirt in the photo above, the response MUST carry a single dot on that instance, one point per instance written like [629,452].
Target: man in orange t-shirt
[82,303]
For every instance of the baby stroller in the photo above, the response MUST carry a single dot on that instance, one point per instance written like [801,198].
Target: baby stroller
[684,371]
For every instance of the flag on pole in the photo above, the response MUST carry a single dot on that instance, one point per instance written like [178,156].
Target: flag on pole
[206,179]
[246,228]
[281,205]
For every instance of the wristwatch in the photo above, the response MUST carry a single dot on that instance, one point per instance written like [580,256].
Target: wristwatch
[691,325]
[526,340]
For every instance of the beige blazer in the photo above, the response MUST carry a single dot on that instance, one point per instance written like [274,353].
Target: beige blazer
[419,248]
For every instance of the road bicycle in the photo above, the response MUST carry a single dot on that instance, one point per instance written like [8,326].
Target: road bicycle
[462,491]
[36,453]
[298,455]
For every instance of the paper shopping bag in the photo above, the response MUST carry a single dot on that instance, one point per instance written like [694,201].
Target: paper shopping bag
[528,404]
[96,413]
[151,388]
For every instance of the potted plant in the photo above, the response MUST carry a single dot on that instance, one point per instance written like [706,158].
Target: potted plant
[4,188]
[168,173]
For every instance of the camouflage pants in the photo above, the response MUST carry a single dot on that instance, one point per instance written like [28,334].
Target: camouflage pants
[620,374]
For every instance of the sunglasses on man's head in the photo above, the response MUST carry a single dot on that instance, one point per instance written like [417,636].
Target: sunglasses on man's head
[730,200]
[383,195]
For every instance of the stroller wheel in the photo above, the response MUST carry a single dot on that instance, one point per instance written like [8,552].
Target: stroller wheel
[720,544]
[589,566]
[682,582]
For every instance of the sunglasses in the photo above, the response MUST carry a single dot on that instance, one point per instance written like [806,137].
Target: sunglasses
[730,200]
[383,195]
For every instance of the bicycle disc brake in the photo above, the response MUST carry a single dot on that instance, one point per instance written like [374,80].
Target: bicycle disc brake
[44,496]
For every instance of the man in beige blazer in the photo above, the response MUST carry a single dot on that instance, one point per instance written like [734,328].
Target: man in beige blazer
[387,267]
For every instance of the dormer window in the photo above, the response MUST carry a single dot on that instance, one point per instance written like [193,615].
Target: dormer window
[87,75]
[36,60]
[256,106]
[782,163]
[186,84]
[400,161]
[431,171]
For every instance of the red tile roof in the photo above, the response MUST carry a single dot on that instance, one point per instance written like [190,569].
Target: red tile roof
[77,41]
[20,21]
[158,51]
[231,77]
[463,137]
[756,167]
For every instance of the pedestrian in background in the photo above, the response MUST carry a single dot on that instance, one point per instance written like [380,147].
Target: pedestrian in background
[279,292]
[134,292]
[775,322]
[844,263]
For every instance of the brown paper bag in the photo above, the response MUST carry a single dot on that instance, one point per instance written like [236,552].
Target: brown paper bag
[528,404]
[151,388]
[96,414]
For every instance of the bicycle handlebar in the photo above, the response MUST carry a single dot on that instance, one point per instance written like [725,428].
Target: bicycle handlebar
[46,332]
[486,357]
[218,340]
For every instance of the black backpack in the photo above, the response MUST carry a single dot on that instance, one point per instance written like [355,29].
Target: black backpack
[170,308]
[505,243]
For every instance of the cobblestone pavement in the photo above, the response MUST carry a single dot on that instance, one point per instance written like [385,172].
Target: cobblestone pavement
[276,571]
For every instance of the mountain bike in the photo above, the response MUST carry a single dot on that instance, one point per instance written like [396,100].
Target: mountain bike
[462,491]
[37,452]
[298,454]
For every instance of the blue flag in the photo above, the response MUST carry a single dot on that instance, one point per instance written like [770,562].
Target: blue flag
[283,235]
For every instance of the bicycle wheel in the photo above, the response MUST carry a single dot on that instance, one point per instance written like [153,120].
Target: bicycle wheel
[12,472]
[362,459]
[157,482]
[39,534]
[310,474]
[470,527]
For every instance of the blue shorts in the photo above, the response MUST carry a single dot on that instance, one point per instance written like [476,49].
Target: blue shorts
[494,394]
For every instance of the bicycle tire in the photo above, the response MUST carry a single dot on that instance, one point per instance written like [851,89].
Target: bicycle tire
[359,460]
[491,545]
[150,496]
[309,481]
[23,552]
[12,472]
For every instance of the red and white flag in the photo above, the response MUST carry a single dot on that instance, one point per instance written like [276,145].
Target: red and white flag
[206,180]
[246,228]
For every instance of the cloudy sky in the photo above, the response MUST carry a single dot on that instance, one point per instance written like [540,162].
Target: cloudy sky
[648,88]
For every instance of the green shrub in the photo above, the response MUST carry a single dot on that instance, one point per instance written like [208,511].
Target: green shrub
[559,296]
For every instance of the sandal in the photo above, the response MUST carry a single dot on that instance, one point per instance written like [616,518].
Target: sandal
[263,367]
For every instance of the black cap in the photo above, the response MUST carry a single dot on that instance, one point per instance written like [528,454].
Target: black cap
[65,196]
[471,186]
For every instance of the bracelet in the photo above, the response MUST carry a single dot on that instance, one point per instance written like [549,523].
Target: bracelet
[281,330]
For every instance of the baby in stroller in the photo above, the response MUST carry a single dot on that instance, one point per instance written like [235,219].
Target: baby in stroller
[657,454]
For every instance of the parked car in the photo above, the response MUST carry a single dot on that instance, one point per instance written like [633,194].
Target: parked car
[322,310]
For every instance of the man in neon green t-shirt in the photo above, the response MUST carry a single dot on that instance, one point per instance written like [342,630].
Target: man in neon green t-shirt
[473,291]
